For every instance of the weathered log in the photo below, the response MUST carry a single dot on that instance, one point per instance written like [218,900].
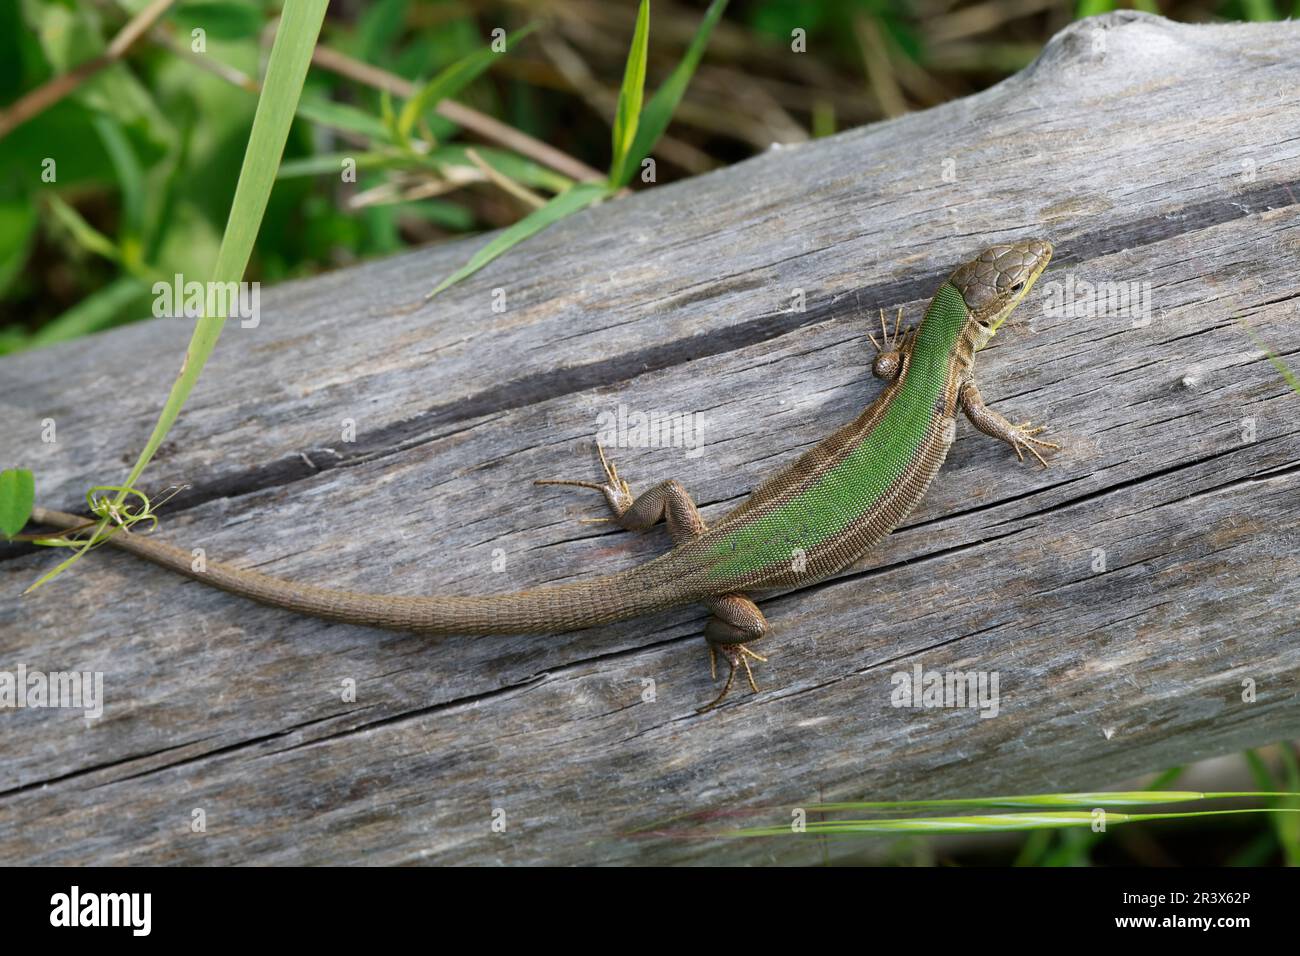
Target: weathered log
[1123,596]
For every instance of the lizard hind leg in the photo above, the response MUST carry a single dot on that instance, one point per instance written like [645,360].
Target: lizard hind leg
[736,623]
[736,620]
[668,501]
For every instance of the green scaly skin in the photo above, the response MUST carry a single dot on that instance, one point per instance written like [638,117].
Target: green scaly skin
[802,525]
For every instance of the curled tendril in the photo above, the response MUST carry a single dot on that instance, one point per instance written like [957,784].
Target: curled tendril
[128,507]
[134,508]
[113,516]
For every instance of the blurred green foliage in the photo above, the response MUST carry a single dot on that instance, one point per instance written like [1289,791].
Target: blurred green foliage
[146,151]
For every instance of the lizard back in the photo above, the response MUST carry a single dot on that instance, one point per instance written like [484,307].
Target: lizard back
[841,497]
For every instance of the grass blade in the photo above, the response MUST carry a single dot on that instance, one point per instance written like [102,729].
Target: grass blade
[1045,818]
[630,95]
[507,163]
[1288,827]
[450,82]
[340,116]
[1282,368]
[988,823]
[659,111]
[565,204]
[1103,798]
[131,176]
[286,69]
[87,236]
[331,164]
[1091,8]
[96,311]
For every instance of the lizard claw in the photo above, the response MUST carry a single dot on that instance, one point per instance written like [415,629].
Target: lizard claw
[1025,439]
[614,488]
[737,655]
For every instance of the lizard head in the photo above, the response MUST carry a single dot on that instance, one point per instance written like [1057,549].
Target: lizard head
[994,282]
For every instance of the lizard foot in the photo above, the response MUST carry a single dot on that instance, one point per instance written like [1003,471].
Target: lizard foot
[737,655]
[614,488]
[1024,435]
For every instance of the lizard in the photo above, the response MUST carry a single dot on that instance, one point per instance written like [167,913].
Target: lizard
[810,520]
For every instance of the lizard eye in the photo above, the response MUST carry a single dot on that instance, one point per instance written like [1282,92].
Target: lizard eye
[1018,286]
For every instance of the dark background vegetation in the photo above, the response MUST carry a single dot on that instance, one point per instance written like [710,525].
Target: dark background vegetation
[148,149]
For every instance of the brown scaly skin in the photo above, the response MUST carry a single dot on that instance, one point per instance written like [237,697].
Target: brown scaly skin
[695,570]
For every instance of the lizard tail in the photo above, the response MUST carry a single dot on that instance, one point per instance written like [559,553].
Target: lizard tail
[542,610]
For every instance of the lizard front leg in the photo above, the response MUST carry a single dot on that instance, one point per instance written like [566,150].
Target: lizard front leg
[735,620]
[991,423]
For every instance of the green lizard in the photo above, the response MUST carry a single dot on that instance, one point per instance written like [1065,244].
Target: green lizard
[810,520]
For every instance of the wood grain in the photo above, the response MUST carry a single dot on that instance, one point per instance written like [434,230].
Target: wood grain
[1149,152]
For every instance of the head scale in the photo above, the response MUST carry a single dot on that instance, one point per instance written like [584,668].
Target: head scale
[994,282]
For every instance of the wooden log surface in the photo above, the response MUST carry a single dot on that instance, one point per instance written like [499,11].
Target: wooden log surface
[1149,152]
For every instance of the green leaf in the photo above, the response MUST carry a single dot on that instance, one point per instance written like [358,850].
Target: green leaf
[72,34]
[389,118]
[387,127]
[163,205]
[1258,10]
[17,493]
[13,338]
[629,97]
[1047,817]
[659,111]
[446,215]
[565,204]
[1288,827]
[451,81]
[128,254]
[1100,798]
[1090,8]
[56,136]
[67,35]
